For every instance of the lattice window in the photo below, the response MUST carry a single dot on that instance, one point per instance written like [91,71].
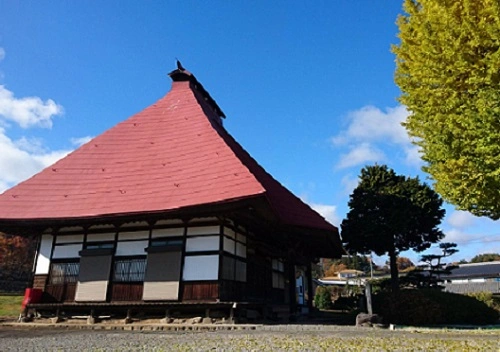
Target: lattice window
[129,270]
[64,273]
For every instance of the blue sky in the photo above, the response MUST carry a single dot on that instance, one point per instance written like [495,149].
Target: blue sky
[307,87]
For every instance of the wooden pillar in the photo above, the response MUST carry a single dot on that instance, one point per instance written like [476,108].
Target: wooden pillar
[368,293]
[290,273]
[310,293]
[35,262]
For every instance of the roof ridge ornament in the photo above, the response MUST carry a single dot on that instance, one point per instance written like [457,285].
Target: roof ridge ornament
[179,65]
[182,75]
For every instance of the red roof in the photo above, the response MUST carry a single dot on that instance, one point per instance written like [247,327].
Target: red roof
[173,154]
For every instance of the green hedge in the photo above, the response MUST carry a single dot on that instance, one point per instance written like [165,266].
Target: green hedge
[432,307]
[323,298]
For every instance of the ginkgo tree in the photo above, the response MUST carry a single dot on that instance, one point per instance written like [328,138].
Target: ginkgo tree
[391,213]
[448,70]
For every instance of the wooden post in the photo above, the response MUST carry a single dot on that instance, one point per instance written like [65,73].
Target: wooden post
[91,318]
[368,293]
[310,293]
[231,313]
[290,274]
[128,318]
[168,318]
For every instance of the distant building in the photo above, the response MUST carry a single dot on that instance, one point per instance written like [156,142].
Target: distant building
[167,211]
[345,277]
[476,277]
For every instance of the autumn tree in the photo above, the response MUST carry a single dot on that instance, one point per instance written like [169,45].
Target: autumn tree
[448,70]
[356,262]
[391,213]
[16,257]
[334,269]
[403,263]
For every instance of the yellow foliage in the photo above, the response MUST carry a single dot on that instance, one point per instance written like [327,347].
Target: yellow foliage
[334,269]
[448,69]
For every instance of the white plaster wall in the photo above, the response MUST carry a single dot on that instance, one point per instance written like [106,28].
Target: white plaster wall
[203,267]
[43,261]
[69,238]
[98,237]
[172,232]
[229,245]
[169,222]
[71,228]
[203,230]
[241,238]
[194,220]
[241,250]
[478,280]
[137,235]
[196,244]
[106,226]
[67,251]
[229,232]
[131,248]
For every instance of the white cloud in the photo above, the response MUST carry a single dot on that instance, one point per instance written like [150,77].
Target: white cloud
[458,236]
[78,142]
[372,124]
[50,158]
[30,145]
[20,160]
[27,111]
[361,154]
[472,244]
[370,128]
[461,219]
[349,183]
[329,212]
[2,56]
[413,156]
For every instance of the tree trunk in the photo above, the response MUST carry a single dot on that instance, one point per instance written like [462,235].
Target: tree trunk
[394,271]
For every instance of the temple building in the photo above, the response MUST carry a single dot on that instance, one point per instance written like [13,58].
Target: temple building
[166,211]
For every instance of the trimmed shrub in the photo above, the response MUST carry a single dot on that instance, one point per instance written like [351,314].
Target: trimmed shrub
[323,298]
[488,299]
[432,307]
[349,303]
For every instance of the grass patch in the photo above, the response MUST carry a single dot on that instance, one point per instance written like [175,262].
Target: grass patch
[10,306]
[310,342]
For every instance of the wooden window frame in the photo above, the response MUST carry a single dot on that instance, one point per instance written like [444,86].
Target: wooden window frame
[138,274]
[65,278]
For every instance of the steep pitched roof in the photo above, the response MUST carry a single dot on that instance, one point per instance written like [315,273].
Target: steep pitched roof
[172,155]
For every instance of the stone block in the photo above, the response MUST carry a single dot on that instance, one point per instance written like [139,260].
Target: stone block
[363,319]
[196,320]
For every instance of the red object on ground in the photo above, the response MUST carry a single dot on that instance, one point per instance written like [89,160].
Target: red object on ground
[31,295]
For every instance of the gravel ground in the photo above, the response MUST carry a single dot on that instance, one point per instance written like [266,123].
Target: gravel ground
[285,338]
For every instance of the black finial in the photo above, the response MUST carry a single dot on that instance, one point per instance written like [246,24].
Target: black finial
[179,65]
